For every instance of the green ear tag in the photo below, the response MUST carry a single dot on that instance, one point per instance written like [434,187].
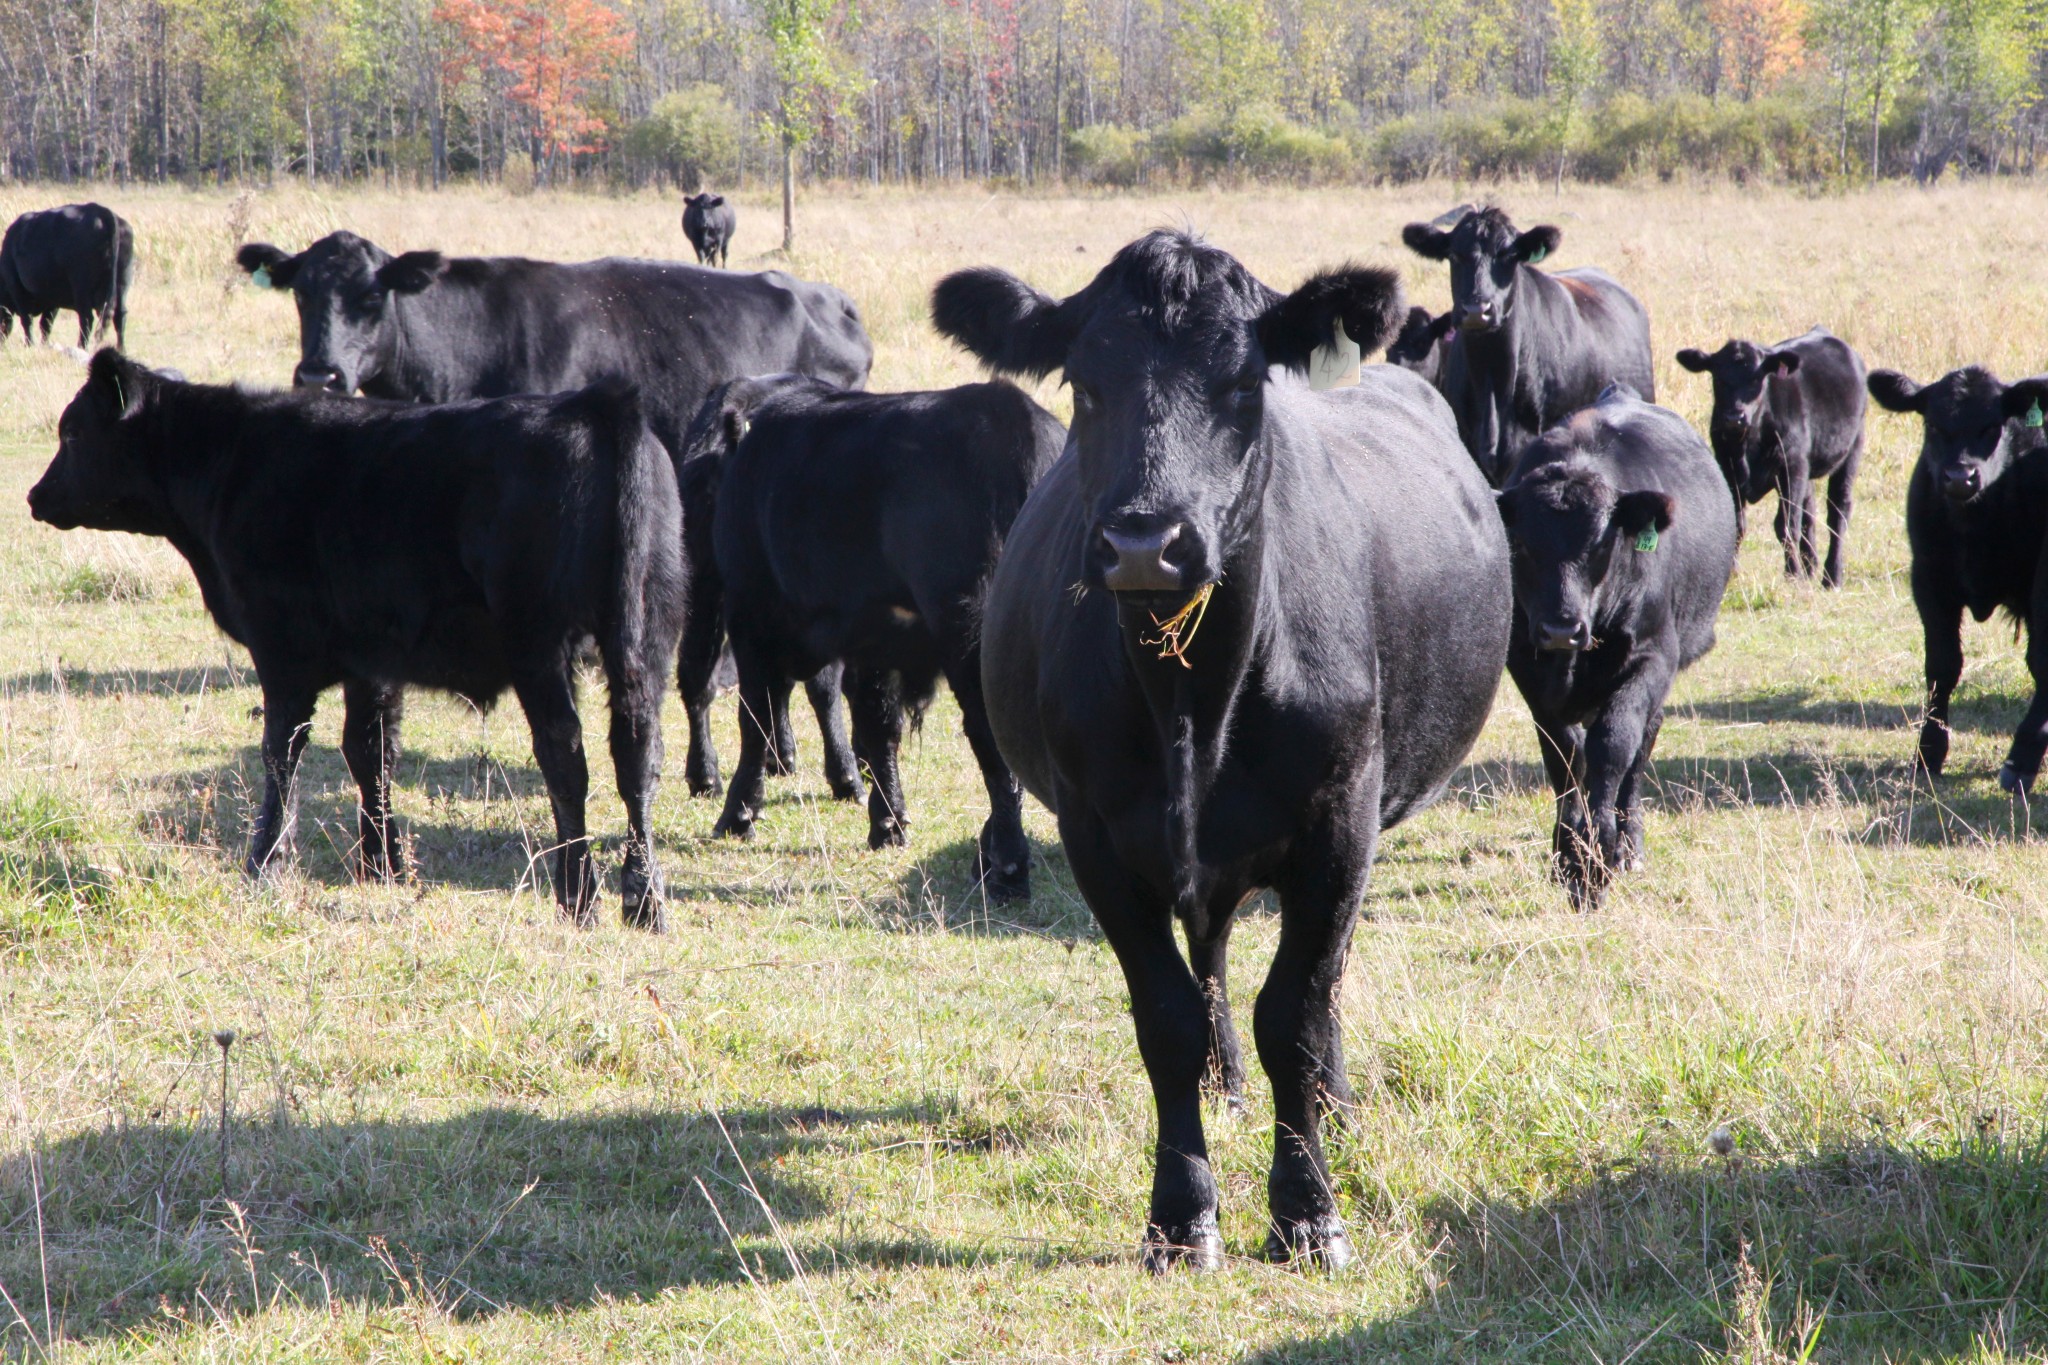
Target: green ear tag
[2034,415]
[1536,256]
[260,277]
[1646,539]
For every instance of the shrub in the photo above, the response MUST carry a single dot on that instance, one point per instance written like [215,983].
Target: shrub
[687,135]
[1107,154]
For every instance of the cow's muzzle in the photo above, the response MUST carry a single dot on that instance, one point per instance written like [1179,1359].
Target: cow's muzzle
[1564,637]
[1143,558]
[311,376]
[1961,482]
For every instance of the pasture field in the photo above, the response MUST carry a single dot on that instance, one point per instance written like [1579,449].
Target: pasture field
[846,1111]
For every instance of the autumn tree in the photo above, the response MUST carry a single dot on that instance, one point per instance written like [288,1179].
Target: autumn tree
[556,53]
[1761,41]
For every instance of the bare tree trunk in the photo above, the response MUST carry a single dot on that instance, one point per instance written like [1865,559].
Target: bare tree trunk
[788,193]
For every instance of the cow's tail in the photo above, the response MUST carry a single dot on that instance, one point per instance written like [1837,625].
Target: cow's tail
[647,574]
[117,260]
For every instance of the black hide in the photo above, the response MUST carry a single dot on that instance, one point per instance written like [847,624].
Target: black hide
[708,221]
[79,258]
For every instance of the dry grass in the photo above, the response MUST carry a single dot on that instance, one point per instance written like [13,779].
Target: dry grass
[845,1112]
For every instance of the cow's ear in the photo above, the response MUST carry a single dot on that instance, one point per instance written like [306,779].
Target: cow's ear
[118,383]
[267,265]
[412,272]
[1442,326]
[1895,392]
[1644,510]
[1003,322]
[1427,240]
[2027,401]
[1537,243]
[1364,299]
[1782,362]
[1694,359]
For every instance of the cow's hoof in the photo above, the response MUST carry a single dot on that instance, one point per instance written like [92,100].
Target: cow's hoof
[583,916]
[701,787]
[733,825]
[643,901]
[1318,1244]
[846,788]
[1199,1246]
[2011,780]
[887,834]
[1010,882]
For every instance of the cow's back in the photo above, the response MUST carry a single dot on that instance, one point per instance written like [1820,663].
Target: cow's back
[1611,344]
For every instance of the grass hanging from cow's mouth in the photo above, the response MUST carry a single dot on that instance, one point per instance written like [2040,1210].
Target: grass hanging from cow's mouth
[1177,632]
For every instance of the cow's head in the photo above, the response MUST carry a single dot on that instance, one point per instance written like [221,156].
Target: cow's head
[1418,338]
[100,476]
[1566,525]
[1742,372]
[1973,426]
[1486,255]
[344,287]
[1167,352]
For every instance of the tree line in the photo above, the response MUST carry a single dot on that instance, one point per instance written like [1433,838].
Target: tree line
[1119,91]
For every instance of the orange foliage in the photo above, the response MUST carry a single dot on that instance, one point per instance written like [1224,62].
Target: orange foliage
[556,52]
[1762,41]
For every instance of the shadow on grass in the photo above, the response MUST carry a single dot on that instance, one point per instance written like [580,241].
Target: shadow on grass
[1896,805]
[488,1211]
[198,680]
[1895,1254]
[941,891]
[1973,709]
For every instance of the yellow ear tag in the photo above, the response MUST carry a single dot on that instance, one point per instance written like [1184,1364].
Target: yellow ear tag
[1646,539]
[1336,362]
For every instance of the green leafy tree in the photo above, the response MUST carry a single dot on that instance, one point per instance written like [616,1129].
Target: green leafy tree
[1575,56]
[808,83]
[690,133]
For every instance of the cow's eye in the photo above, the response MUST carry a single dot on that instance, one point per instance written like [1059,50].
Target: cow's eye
[1084,397]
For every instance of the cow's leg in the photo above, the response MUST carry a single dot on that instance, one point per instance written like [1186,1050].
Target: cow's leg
[744,797]
[875,696]
[636,747]
[1786,524]
[369,745]
[697,660]
[1941,628]
[1809,527]
[1615,743]
[1841,494]
[1223,1077]
[1564,762]
[49,321]
[2023,761]
[781,758]
[287,722]
[549,699]
[842,769]
[85,322]
[1632,855]
[1003,854]
[1172,1022]
[1296,1024]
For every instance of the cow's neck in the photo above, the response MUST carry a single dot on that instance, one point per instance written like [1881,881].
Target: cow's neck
[1192,697]
[434,346]
[189,435]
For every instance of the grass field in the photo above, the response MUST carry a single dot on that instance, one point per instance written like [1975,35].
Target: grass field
[845,1111]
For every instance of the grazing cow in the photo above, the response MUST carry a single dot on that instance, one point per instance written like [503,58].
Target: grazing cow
[1532,347]
[469,548]
[1624,537]
[80,257]
[1977,522]
[1423,343]
[430,328]
[1239,629]
[435,329]
[880,562]
[708,221]
[1785,419]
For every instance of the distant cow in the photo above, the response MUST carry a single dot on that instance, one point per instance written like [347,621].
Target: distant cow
[1786,418]
[863,527]
[1240,628]
[1977,521]
[1422,342]
[468,548]
[79,258]
[434,329]
[1624,539]
[708,221]
[1534,347]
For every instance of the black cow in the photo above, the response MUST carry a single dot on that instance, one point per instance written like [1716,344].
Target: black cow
[470,548]
[863,527]
[1422,343]
[1977,521]
[1624,538]
[1533,347]
[1786,418]
[435,329]
[80,258]
[1239,629]
[708,221]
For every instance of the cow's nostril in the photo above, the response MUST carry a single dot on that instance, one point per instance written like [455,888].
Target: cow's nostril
[1138,562]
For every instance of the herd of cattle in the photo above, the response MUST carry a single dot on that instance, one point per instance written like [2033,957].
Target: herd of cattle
[1228,627]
